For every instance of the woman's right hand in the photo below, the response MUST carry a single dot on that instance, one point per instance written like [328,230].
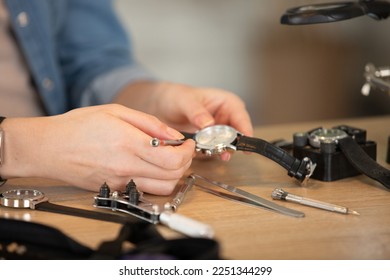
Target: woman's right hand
[89,146]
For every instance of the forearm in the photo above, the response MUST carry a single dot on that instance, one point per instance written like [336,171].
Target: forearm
[23,144]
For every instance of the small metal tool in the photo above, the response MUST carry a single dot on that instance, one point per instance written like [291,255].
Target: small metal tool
[246,197]
[155,142]
[376,77]
[179,197]
[139,207]
[283,195]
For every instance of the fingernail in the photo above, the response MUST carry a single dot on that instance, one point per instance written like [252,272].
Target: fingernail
[174,134]
[225,156]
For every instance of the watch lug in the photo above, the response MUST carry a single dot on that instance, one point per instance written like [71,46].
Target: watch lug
[231,147]
[304,171]
[217,150]
[34,203]
[310,167]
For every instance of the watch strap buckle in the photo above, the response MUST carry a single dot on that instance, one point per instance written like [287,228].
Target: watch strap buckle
[302,170]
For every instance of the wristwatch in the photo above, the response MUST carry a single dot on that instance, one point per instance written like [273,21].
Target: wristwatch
[216,139]
[351,144]
[36,200]
[323,135]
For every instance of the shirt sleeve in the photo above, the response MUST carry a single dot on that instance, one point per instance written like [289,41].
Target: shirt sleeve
[95,53]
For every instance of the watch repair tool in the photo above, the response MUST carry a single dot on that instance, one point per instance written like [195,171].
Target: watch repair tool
[216,139]
[245,197]
[36,200]
[155,142]
[132,202]
[283,195]
[376,78]
[340,152]
[179,197]
[335,11]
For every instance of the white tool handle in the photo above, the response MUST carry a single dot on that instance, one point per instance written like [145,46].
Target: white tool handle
[186,225]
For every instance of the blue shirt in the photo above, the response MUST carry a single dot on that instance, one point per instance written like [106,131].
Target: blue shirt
[77,51]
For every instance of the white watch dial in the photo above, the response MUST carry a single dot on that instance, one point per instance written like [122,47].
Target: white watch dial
[323,134]
[215,137]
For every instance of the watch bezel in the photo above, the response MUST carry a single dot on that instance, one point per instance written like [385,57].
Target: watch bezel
[22,198]
[332,135]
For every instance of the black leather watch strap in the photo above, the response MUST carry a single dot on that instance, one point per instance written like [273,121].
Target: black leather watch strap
[295,167]
[83,213]
[188,135]
[363,162]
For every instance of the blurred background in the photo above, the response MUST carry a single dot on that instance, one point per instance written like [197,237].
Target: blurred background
[283,73]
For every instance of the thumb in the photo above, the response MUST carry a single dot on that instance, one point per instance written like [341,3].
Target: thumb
[198,115]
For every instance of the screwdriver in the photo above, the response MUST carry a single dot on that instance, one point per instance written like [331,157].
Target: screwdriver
[283,195]
[155,142]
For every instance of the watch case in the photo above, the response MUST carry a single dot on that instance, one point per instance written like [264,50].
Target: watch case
[332,164]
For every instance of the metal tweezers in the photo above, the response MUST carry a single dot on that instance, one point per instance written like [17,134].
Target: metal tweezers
[242,196]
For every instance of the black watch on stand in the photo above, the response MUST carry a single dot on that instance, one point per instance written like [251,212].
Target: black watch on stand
[216,139]
[340,152]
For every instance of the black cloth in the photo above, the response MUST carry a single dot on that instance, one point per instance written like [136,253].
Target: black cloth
[28,240]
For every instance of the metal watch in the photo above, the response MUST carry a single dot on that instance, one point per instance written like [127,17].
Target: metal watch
[216,139]
[323,135]
[36,200]
[22,198]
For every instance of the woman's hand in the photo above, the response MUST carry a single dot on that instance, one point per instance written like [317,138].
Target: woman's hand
[188,108]
[89,146]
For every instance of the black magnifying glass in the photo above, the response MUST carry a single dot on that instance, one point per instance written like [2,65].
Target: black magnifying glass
[331,12]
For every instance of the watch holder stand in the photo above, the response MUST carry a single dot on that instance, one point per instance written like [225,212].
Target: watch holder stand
[375,77]
[332,164]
